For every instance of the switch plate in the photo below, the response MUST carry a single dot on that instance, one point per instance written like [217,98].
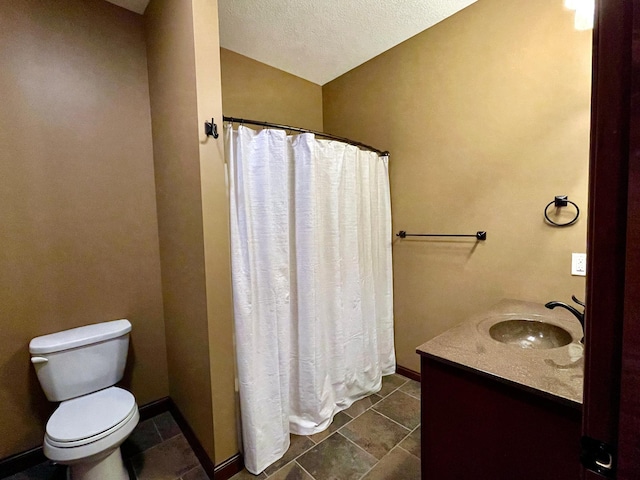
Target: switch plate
[579,264]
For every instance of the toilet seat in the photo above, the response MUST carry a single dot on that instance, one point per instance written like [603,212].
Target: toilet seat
[91,417]
[90,426]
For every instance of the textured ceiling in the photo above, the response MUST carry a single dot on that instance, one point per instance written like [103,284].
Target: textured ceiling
[320,40]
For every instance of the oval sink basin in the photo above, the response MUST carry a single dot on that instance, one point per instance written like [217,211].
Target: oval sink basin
[530,334]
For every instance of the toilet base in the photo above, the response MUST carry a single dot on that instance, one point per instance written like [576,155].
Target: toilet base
[110,467]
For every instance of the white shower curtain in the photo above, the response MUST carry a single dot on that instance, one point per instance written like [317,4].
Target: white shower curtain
[312,282]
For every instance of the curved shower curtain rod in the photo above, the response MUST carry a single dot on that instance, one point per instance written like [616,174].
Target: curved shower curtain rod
[305,130]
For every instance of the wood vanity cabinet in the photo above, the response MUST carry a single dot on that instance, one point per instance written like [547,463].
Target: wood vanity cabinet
[475,427]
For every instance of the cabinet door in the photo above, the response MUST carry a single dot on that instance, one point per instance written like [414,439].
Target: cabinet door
[476,427]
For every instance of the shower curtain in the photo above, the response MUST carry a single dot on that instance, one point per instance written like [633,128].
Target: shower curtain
[312,285]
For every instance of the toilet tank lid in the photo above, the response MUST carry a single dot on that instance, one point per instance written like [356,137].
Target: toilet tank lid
[80,336]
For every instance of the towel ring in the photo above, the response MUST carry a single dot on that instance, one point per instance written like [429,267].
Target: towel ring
[561,201]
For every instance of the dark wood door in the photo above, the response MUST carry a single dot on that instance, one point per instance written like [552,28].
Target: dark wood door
[612,370]
[629,415]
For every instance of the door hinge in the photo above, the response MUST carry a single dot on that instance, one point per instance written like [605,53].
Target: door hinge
[597,456]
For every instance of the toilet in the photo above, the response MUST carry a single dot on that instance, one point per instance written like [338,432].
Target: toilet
[79,368]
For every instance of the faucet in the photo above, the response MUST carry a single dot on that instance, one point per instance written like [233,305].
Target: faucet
[576,313]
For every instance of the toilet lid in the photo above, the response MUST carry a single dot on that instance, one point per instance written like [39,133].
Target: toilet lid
[90,415]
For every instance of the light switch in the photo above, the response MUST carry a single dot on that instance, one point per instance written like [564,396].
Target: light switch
[579,264]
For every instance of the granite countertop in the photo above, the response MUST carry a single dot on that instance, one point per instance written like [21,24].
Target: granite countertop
[557,373]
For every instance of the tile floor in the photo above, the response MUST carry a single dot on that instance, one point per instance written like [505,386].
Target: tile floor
[377,438]
[156,450]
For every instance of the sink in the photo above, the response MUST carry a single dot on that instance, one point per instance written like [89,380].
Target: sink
[530,334]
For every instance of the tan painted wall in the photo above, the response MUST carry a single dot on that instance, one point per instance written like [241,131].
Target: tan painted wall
[253,90]
[215,219]
[79,241]
[174,113]
[184,75]
[486,116]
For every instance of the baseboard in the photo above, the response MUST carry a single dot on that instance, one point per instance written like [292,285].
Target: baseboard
[223,471]
[195,444]
[154,408]
[228,468]
[406,372]
[21,461]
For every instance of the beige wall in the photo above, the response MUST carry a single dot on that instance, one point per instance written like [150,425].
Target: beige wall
[486,116]
[79,240]
[215,212]
[182,43]
[253,90]
[172,85]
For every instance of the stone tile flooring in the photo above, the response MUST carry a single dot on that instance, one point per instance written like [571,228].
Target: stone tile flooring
[156,450]
[377,438]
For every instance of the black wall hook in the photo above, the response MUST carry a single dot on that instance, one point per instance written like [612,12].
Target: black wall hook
[211,129]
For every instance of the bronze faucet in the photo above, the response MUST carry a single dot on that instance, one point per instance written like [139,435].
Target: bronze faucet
[576,313]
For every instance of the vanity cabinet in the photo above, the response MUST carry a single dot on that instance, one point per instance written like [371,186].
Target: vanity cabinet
[476,426]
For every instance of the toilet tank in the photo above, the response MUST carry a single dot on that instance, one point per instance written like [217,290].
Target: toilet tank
[82,360]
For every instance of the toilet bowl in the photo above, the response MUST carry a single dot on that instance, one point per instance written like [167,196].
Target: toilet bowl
[79,367]
[85,431]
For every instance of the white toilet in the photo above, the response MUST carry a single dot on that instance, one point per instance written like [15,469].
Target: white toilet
[79,367]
